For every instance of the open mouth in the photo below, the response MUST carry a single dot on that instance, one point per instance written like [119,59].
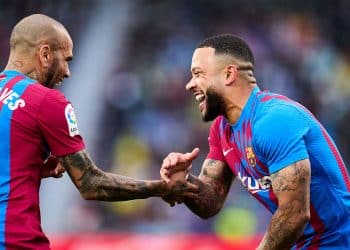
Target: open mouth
[59,82]
[200,97]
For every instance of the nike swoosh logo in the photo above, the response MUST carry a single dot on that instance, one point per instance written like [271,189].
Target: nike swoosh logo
[227,151]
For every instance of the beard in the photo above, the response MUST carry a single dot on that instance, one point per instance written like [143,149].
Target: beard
[215,106]
[50,75]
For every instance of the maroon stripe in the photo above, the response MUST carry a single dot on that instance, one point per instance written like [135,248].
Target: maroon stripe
[269,97]
[273,197]
[262,165]
[338,159]
[301,242]
[318,226]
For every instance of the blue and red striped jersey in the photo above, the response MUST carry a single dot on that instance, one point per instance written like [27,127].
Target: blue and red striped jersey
[34,121]
[274,132]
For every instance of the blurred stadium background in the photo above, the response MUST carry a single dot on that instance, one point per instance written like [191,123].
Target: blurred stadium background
[130,67]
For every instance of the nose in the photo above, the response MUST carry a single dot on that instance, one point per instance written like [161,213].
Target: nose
[190,85]
[67,73]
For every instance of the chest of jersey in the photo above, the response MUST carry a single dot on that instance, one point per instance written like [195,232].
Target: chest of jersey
[240,155]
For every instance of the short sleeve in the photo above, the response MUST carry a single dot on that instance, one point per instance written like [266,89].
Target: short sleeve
[58,124]
[280,136]
[215,149]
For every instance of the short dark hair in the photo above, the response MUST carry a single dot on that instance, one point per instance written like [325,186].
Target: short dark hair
[230,45]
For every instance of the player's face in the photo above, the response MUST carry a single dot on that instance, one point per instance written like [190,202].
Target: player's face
[59,68]
[205,83]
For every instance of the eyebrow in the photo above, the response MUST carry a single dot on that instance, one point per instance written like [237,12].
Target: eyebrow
[194,68]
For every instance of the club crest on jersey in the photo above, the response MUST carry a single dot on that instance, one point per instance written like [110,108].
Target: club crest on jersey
[71,120]
[250,156]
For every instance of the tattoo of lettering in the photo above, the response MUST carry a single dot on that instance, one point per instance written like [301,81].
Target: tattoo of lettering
[96,184]
[214,183]
[291,185]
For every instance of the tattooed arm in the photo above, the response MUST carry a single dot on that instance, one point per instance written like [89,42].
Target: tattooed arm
[214,183]
[291,185]
[95,184]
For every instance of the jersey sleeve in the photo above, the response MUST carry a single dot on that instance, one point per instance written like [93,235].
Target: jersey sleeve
[215,149]
[279,136]
[58,124]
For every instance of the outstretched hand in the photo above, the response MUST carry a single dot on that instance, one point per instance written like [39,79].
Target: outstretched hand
[173,171]
[177,162]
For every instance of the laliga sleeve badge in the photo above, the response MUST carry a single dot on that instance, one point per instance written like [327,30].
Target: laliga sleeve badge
[71,120]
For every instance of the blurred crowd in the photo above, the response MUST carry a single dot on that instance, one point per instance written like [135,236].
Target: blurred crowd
[300,50]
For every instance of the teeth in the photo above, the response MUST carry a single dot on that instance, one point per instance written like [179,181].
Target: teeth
[200,97]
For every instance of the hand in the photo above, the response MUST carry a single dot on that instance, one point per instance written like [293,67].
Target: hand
[52,168]
[176,162]
[170,200]
[180,190]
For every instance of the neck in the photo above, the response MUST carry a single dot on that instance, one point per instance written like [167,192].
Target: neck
[236,101]
[22,64]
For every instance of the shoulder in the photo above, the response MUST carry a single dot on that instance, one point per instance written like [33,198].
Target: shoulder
[55,95]
[217,122]
[52,97]
[42,92]
[280,122]
[277,109]
[53,101]
[280,117]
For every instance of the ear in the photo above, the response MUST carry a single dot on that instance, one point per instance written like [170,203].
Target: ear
[45,55]
[231,73]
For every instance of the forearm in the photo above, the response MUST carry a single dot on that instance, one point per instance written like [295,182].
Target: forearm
[95,184]
[208,201]
[112,187]
[285,228]
[291,185]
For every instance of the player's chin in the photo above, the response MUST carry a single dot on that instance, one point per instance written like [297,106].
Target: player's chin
[203,114]
[205,118]
[50,85]
[208,117]
[202,108]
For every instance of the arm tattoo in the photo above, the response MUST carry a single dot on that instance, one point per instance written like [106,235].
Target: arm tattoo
[95,184]
[214,183]
[291,185]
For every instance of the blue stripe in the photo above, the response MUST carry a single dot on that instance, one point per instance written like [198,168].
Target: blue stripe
[3,82]
[5,127]
[4,167]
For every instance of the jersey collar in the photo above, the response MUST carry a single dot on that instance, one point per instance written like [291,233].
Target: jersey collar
[247,108]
